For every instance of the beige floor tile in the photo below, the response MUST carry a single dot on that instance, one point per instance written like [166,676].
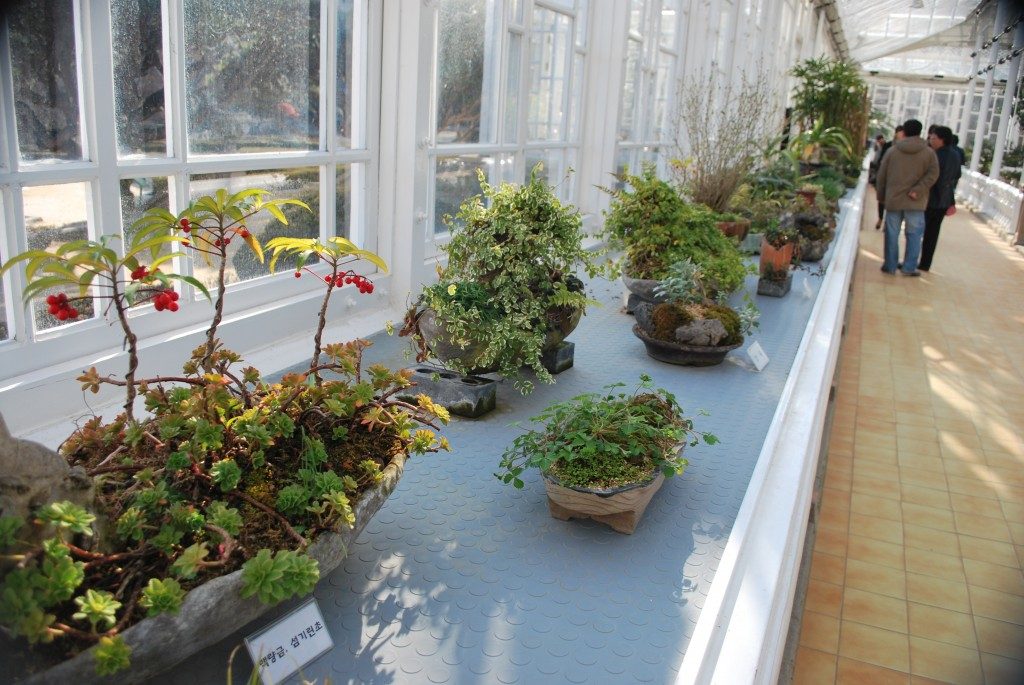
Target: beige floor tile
[945,662]
[834,514]
[813,667]
[1001,670]
[839,481]
[982,526]
[1001,606]
[912,419]
[921,680]
[929,478]
[909,460]
[873,609]
[928,517]
[933,564]
[820,631]
[926,497]
[876,528]
[824,598]
[942,625]
[853,672]
[828,567]
[880,487]
[981,506]
[930,539]
[1000,637]
[883,580]
[994,576]
[972,486]
[938,592]
[875,551]
[876,646]
[1013,511]
[830,541]
[872,505]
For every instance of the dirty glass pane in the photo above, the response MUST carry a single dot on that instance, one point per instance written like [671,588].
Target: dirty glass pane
[54,215]
[669,22]
[252,75]
[656,121]
[455,180]
[575,104]
[630,86]
[549,48]
[343,202]
[465,63]
[138,77]
[138,195]
[301,183]
[636,16]
[581,24]
[344,81]
[43,61]
[554,171]
[515,46]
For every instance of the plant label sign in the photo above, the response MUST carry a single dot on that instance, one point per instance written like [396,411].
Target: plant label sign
[758,357]
[291,642]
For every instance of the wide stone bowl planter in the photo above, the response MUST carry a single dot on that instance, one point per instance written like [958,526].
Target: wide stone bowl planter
[212,610]
[642,288]
[813,250]
[620,508]
[561,322]
[683,355]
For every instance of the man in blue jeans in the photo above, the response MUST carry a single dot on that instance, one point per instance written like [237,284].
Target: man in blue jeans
[907,172]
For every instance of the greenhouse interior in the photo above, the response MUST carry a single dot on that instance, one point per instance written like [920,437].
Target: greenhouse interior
[292,292]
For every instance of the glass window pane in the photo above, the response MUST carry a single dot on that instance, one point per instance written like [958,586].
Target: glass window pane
[549,46]
[581,24]
[656,122]
[345,82]
[553,171]
[455,181]
[138,195]
[252,74]
[138,77]
[343,202]
[636,16]
[55,215]
[669,22]
[515,47]
[301,183]
[630,85]
[576,102]
[4,332]
[465,64]
[42,40]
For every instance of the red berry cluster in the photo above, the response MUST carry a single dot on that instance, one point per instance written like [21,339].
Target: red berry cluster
[140,273]
[166,299]
[186,225]
[60,308]
[364,284]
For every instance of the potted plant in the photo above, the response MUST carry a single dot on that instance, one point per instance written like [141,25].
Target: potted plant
[689,327]
[509,291]
[603,456]
[229,494]
[733,225]
[813,226]
[656,227]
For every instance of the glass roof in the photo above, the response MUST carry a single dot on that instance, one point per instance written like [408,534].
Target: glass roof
[879,28]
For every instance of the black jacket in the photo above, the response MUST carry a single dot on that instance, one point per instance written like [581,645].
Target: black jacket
[941,194]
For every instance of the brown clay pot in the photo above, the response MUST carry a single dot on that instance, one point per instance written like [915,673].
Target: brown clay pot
[735,229]
[779,258]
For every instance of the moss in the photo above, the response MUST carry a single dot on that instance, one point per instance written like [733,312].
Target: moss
[600,472]
[668,316]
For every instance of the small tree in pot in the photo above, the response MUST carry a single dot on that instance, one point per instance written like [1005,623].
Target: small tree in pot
[603,456]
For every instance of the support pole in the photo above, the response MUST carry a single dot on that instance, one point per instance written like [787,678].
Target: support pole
[986,97]
[965,115]
[1009,92]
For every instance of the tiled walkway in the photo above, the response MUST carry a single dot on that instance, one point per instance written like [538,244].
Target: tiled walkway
[916,575]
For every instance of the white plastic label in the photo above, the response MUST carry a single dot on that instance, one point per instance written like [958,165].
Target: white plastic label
[758,357]
[288,644]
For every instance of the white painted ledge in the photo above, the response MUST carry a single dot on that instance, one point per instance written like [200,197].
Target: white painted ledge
[741,632]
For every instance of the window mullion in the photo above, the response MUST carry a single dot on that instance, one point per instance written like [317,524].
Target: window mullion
[328,115]
[176,114]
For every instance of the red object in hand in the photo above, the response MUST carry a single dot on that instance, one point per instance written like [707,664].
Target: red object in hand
[951,211]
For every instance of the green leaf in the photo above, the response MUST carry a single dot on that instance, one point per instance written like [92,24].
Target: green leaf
[226,474]
[97,606]
[9,527]
[274,579]
[68,516]
[187,565]
[111,655]
[162,596]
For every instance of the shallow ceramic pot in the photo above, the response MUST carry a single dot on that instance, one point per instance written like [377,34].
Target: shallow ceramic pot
[735,229]
[683,355]
[620,508]
[643,288]
[212,610]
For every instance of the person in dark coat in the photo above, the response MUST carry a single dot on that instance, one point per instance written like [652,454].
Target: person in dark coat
[940,197]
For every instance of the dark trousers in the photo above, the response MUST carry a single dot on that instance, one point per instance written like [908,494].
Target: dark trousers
[932,223]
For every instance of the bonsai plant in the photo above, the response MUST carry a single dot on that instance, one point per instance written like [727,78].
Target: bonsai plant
[509,291]
[225,474]
[603,456]
[813,225]
[690,327]
[656,228]
[780,246]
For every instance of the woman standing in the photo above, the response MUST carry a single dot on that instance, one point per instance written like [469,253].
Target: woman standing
[940,197]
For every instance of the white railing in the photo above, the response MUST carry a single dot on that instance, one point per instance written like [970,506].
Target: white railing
[741,633]
[1000,202]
